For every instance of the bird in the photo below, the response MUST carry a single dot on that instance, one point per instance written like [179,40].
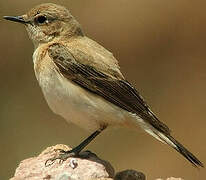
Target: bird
[82,82]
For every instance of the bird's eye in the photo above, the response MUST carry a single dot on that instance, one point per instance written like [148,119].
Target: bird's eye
[41,19]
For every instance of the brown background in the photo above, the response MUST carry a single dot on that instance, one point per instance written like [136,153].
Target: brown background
[160,45]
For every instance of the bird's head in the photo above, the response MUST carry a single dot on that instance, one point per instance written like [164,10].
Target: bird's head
[48,21]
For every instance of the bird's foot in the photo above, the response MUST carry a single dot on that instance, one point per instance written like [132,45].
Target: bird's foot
[64,155]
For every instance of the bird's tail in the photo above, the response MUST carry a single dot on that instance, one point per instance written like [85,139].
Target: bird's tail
[168,139]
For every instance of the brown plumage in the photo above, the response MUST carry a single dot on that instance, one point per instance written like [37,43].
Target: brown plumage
[82,82]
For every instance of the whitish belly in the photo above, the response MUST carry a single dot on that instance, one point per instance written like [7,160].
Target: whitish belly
[75,104]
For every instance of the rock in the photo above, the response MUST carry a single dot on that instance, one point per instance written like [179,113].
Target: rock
[85,167]
[130,175]
[74,168]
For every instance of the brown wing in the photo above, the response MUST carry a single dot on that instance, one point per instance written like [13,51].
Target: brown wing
[119,92]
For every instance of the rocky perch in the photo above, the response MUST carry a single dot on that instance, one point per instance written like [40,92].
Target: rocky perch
[88,167]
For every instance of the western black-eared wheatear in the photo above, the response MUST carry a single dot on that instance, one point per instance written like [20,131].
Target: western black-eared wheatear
[82,82]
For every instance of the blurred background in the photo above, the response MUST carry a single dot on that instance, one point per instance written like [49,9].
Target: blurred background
[160,46]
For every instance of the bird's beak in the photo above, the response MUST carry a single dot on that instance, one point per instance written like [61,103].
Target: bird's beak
[16,19]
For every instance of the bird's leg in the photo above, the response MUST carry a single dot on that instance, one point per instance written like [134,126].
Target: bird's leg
[76,150]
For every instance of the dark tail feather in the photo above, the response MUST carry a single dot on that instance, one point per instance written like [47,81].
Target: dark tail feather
[182,150]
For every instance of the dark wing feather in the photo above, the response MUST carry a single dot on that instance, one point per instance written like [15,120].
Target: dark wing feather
[119,92]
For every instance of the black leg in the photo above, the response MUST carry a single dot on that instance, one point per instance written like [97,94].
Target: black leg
[76,150]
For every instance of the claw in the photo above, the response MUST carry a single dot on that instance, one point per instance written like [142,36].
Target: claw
[63,156]
[60,150]
[49,162]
